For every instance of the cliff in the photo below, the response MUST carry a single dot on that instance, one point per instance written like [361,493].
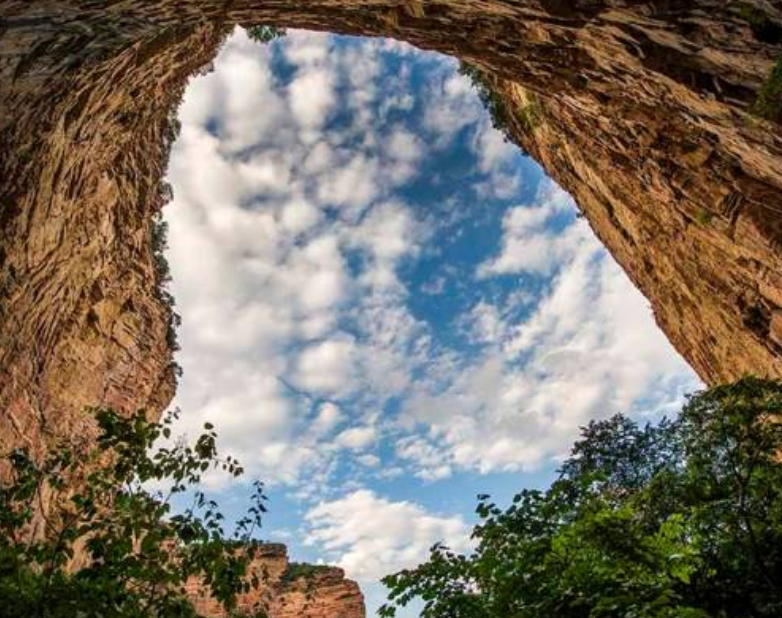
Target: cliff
[644,110]
[289,590]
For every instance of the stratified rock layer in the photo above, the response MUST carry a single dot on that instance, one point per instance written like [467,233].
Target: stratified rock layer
[288,591]
[640,109]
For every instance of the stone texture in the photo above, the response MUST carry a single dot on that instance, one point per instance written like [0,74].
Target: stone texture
[641,111]
[324,593]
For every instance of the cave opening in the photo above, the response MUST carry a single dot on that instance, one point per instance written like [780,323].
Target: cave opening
[643,111]
[386,306]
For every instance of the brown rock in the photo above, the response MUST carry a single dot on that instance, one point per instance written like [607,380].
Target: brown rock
[641,111]
[288,591]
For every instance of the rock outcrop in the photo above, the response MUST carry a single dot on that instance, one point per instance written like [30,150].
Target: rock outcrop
[642,109]
[288,590]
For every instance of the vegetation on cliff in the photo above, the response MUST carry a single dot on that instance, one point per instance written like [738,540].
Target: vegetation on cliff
[264,34]
[682,519]
[302,570]
[502,116]
[134,552]
[769,102]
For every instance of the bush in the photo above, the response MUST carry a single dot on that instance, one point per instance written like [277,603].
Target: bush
[136,553]
[769,101]
[678,520]
[159,242]
[264,34]
[527,116]
[300,570]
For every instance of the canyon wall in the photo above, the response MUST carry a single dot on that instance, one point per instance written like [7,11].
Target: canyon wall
[642,110]
[288,591]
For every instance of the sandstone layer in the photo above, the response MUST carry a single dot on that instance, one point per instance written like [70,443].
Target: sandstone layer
[642,109]
[288,591]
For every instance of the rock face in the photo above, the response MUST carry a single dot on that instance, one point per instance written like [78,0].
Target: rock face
[289,591]
[640,108]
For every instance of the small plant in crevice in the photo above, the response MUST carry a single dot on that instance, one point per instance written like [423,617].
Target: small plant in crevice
[769,102]
[264,34]
[159,242]
[704,217]
[527,116]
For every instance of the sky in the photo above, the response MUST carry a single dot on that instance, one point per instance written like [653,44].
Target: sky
[386,308]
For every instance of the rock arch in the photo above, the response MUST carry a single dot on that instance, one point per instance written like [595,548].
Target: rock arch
[641,111]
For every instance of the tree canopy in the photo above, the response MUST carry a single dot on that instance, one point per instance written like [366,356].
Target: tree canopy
[682,519]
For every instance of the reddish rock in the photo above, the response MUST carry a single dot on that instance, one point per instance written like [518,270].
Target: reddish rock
[289,591]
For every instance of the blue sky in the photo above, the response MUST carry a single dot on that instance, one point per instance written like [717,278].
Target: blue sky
[386,308]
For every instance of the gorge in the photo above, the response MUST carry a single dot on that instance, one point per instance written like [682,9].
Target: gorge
[642,110]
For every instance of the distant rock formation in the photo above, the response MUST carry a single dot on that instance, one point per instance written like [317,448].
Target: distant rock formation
[289,590]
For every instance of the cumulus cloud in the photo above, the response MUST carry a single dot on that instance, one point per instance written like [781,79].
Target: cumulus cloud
[370,536]
[327,366]
[329,416]
[587,350]
[268,212]
[289,240]
[357,438]
[529,243]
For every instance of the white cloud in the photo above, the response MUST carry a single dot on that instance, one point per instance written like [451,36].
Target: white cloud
[260,266]
[357,438]
[329,416]
[299,215]
[589,349]
[370,536]
[327,366]
[353,185]
[454,105]
[529,244]
[287,245]
[312,97]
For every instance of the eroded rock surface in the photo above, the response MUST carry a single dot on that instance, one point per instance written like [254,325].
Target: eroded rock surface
[640,109]
[289,591]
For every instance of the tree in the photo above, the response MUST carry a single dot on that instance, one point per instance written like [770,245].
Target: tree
[264,34]
[678,520]
[134,551]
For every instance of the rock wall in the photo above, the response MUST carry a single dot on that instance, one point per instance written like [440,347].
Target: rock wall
[641,109]
[288,591]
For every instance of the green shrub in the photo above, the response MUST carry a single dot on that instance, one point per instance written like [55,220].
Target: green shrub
[762,26]
[527,116]
[264,34]
[138,553]
[299,570]
[769,101]
[159,242]
[493,102]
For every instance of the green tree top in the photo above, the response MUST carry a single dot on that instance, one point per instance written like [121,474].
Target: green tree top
[678,520]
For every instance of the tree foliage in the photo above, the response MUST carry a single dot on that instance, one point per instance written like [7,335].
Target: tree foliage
[264,34]
[85,534]
[678,520]
[526,117]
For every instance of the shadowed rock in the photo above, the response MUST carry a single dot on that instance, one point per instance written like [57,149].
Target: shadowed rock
[642,110]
